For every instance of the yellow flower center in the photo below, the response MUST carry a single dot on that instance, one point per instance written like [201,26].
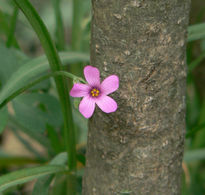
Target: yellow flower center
[94,92]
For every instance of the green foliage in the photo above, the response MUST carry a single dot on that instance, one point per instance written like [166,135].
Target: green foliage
[37,112]
[196,32]
[32,69]
[42,185]
[28,174]
[194,158]
[194,155]
[10,62]
[44,107]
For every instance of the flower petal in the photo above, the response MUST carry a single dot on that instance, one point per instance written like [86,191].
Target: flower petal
[110,84]
[79,90]
[87,106]
[92,75]
[106,104]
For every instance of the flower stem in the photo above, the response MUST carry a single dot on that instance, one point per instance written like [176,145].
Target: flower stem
[61,84]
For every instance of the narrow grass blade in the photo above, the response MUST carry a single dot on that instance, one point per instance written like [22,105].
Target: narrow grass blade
[196,32]
[28,174]
[194,155]
[11,33]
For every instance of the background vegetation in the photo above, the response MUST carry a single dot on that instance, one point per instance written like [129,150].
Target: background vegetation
[33,137]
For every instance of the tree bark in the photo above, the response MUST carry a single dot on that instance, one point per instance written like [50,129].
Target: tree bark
[139,148]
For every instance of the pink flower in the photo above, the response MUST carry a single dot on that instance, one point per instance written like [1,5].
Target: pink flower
[95,93]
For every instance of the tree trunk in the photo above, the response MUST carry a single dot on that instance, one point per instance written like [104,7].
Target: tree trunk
[139,148]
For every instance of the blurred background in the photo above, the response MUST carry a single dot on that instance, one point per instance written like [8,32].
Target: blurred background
[31,126]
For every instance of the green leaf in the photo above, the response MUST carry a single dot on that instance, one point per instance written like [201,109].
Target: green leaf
[54,139]
[60,159]
[9,61]
[196,62]
[28,174]
[8,160]
[198,141]
[194,155]
[42,185]
[4,28]
[196,129]
[3,119]
[32,69]
[196,32]
[3,24]
[193,104]
[80,10]
[61,182]
[11,33]
[59,29]
[28,111]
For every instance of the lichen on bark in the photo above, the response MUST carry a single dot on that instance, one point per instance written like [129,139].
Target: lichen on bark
[139,148]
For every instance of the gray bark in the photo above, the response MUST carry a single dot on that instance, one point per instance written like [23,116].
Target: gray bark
[139,148]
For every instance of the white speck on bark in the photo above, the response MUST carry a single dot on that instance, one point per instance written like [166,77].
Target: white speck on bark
[181,43]
[165,143]
[148,99]
[105,69]
[127,53]
[97,48]
[122,140]
[105,63]
[136,3]
[137,175]
[180,20]
[118,16]
[94,189]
